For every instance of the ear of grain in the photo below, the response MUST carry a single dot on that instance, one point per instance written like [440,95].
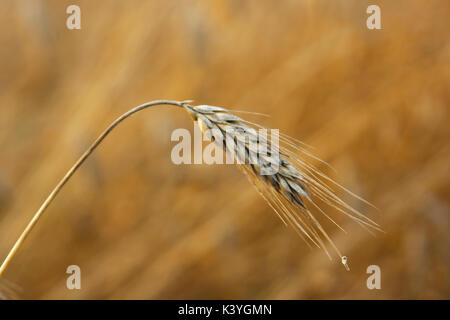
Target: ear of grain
[294,188]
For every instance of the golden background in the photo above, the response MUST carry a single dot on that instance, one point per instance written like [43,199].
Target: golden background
[373,103]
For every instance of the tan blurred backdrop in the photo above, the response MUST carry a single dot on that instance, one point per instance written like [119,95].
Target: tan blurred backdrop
[373,103]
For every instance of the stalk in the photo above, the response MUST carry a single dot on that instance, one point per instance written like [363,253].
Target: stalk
[72,170]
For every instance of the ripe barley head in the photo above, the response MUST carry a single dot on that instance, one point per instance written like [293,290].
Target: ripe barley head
[293,188]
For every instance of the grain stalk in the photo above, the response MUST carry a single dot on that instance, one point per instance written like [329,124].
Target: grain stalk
[289,191]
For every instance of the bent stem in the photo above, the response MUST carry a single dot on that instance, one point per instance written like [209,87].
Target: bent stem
[72,170]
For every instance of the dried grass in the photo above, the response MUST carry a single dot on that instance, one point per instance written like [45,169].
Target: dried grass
[289,190]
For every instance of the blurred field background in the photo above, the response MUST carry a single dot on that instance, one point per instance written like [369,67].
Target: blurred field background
[374,104]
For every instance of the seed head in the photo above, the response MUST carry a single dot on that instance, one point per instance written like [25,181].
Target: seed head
[293,188]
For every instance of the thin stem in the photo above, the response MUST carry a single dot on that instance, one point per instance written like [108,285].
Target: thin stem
[72,170]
